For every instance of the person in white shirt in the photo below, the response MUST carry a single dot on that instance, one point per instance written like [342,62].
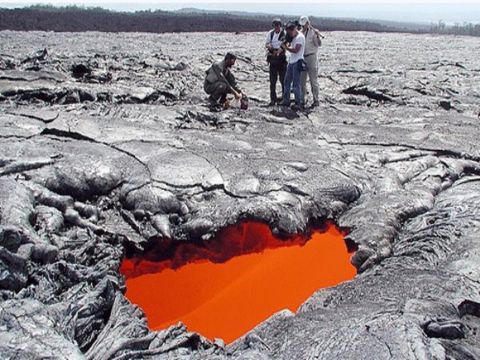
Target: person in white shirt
[276,58]
[295,66]
[312,43]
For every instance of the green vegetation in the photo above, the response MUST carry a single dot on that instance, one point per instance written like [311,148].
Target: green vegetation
[75,18]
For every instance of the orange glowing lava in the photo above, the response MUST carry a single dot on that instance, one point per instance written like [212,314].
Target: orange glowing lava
[224,287]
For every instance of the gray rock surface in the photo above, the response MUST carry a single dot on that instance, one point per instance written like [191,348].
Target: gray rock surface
[106,142]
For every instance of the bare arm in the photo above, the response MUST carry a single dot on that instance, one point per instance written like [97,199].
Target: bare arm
[294,50]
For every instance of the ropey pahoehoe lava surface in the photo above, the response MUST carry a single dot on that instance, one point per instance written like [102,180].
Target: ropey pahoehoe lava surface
[224,287]
[107,145]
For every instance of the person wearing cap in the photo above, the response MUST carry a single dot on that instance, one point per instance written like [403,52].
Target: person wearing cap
[276,58]
[312,43]
[295,65]
[220,81]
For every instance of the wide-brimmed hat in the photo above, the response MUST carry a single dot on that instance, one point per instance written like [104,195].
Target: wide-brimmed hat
[304,20]
[277,21]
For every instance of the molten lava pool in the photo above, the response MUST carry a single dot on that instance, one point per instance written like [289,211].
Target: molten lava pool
[224,287]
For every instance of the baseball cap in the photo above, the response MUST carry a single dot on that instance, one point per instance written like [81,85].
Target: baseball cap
[290,25]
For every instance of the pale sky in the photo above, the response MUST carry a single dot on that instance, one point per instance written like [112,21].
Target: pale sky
[399,10]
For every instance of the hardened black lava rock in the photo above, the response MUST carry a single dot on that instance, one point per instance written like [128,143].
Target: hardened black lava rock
[107,141]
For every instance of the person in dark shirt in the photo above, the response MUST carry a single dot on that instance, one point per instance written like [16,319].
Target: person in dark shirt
[220,81]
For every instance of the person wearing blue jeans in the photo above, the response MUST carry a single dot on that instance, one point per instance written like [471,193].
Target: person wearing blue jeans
[295,66]
[293,76]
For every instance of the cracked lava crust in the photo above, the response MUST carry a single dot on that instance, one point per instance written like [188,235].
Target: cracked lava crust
[100,163]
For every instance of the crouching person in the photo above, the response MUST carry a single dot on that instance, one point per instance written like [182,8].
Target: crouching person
[220,81]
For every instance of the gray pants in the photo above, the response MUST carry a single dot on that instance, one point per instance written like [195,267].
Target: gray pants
[312,72]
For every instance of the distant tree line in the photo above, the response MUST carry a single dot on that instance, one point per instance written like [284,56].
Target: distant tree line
[73,19]
[457,29]
[77,19]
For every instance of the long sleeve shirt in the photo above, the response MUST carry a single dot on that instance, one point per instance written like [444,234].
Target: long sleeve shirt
[220,72]
[312,41]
